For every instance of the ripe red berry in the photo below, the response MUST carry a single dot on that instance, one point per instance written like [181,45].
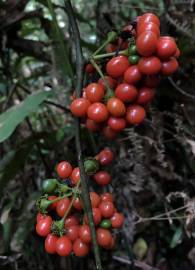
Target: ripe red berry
[149,26]
[146,43]
[149,17]
[80,249]
[53,205]
[75,175]
[43,227]
[135,114]
[63,246]
[62,206]
[151,81]
[102,178]
[97,112]
[64,169]
[116,107]
[132,75]
[71,221]
[145,95]
[117,220]
[50,243]
[170,66]
[117,66]
[85,234]
[95,199]
[79,107]
[166,47]
[107,209]
[111,82]
[106,197]
[105,157]
[89,68]
[72,232]
[78,204]
[149,65]
[104,237]
[116,123]
[97,216]
[126,92]
[94,92]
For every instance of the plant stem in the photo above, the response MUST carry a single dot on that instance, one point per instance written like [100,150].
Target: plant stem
[105,55]
[79,84]
[100,73]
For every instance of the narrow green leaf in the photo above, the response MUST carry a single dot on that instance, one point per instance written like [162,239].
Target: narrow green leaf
[10,119]
[61,50]
[177,237]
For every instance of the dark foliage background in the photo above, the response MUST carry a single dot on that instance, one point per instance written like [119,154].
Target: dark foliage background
[155,167]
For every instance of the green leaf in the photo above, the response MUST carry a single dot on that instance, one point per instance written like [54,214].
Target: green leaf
[10,119]
[61,50]
[177,237]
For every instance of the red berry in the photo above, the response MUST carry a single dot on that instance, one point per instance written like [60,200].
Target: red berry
[150,26]
[107,209]
[145,95]
[117,124]
[170,66]
[111,82]
[132,75]
[71,221]
[94,92]
[117,220]
[75,175]
[126,92]
[151,81]
[97,216]
[80,249]
[64,169]
[117,66]
[62,206]
[104,237]
[63,246]
[102,178]
[107,197]
[43,227]
[105,157]
[53,205]
[146,43]
[50,243]
[89,68]
[40,216]
[97,112]
[72,232]
[166,47]
[149,17]
[116,107]
[135,114]
[95,199]
[149,65]
[79,107]
[85,234]
[78,204]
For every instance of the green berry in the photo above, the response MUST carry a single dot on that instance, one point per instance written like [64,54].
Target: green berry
[133,59]
[133,49]
[91,166]
[106,224]
[49,185]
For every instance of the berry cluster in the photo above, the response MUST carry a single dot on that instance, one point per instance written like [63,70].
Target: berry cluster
[140,58]
[61,218]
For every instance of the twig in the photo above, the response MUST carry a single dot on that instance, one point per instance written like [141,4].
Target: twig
[180,90]
[79,84]
[141,265]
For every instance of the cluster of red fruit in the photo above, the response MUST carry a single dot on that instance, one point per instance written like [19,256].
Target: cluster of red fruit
[120,97]
[61,218]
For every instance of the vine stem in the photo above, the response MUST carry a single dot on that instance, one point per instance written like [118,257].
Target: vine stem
[106,55]
[78,88]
